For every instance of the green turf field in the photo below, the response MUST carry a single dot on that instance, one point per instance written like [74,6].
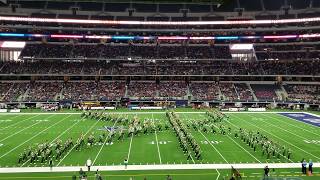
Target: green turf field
[19,131]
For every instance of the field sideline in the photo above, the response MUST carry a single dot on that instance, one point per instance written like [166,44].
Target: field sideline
[19,131]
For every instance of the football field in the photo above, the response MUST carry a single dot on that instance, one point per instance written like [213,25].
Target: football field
[18,132]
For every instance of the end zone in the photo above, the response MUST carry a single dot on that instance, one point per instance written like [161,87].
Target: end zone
[303,117]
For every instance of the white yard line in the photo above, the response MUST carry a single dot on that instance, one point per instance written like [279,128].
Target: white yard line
[303,138]
[213,146]
[32,138]
[66,130]
[130,148]
[18,122]
[239,145]
[157,167]
[155,132]
[244,149]
[191,156]
[75,144]
[316,115]
[104,143]
[281,139]
[210,143]
[56,138]
[19,131]
[238,127]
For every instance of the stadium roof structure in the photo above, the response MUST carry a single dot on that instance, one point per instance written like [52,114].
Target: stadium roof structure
[141,1]
[200,5]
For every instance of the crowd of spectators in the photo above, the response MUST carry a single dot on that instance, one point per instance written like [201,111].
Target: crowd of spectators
[172,89]
[115,90]
[110,90]
[142,90]
[13,91]
[4,88]
[303,93]
[228,90]
[123,51]
[79,91]
[205,91]
[243,92]
[265,91]
[163,68]
[43,91]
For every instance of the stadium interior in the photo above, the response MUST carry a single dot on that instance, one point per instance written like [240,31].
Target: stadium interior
[160,54]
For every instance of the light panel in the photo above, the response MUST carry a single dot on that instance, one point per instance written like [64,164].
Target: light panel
[157,23]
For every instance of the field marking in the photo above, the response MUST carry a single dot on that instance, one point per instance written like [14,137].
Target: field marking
[156,167]
[238,144]
[244,149]
[213,147]
[218,174]
[104,143]
[19,131]
[238,127]
[303,138]
[32,138]
[280,138]
[56,137]
[316,115]
[75,144]
[155,132]
[191,156]
[130,148]
[19,122]
[163,112]
[113,175]
[209,142]
[302,123]
[4,119]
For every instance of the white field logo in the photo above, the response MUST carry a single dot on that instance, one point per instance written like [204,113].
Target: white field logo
[41,120]
[212,142]
[297,115]
[5,120]
[160,142]
[312,120]
[312,141]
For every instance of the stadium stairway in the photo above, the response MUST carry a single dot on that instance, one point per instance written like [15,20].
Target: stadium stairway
[189,94]
[5,94]
[220,93]
[235,89]
[23,96]
[252,93]
[126,91]
[2,66]
[284,91]
[58,95]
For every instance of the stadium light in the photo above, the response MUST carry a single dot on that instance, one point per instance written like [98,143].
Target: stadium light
[157,23]
[13,44]
[72,36]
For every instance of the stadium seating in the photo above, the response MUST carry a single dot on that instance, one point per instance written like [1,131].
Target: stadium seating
[265,91]
[243,92]
[303,93]
[205,91]
[165,68]
[172,89]
[142,90]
